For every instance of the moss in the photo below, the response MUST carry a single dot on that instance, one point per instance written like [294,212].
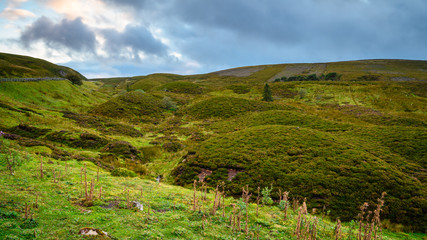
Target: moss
[279,117]
[123,149]
[240,88]
[173,146]
[132,105]
[182,87]
[123,172]
[226,107]
[150,152]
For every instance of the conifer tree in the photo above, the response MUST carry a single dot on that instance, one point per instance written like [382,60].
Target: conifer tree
[266,96]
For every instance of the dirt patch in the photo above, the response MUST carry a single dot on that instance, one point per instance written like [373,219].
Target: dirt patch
[402,79]
[358,111]
[240,72]
[204,174]
[300,69]
[232,173]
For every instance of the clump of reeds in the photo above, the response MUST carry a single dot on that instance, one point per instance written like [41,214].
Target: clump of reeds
[41,168]
[338,230]
[372,227]
[305,228]
[257,201]
[217,201]
[194,195]
[304,207]
[246,196]
[285,208]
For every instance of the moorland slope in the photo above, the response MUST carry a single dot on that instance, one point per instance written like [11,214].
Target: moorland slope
[336,134]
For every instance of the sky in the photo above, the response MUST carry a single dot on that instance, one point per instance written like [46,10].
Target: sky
[108,38]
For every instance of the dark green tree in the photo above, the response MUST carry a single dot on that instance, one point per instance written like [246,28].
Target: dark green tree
[267,96]
[74,79]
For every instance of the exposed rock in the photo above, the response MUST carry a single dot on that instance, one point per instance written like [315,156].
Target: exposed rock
[138,205]
[87,231]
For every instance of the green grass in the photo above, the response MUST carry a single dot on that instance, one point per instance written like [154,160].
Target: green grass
[54,95]
[17,66]
[167,213]
[226,107]
[338,143]
[132,105]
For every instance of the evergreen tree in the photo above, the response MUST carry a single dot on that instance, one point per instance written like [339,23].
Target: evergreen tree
[266,96]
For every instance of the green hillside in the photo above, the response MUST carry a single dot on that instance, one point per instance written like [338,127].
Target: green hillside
[335,134]
[17,66]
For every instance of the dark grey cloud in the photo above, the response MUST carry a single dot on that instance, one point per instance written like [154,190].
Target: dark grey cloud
[240,32]
[72,34]
[136,4]
[135,37]
[215,34]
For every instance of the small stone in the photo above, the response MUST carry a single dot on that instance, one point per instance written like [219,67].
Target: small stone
[87,231]
[138,205]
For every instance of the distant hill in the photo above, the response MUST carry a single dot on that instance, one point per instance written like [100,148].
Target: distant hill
[17,66]
[362,70]
[380,69]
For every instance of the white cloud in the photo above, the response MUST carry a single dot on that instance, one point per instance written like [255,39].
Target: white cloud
[15,14]
[94,13]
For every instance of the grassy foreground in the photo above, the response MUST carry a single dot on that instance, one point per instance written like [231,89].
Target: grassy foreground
[57,208]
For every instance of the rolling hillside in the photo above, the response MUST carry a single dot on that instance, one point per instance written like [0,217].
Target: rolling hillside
[17,66]
[337,140]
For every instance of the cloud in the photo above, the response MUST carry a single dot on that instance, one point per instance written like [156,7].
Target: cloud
[135,41]
[240,32]
[71,34]
[15,14]
[209,35]
[129,3]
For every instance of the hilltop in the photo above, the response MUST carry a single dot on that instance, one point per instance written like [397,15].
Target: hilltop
[336,134]
[17,66]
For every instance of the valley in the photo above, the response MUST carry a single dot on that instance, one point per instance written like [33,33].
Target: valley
[335,136]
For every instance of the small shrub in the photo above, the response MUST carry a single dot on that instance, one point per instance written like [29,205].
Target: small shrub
[302,93]
[311,77]
[150,152]
[123,172]
[332,76]
[283,204]
[239,88]
[140,169]
[173,146]
[266,198]
[76,80]
[168,104]
[122,148]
